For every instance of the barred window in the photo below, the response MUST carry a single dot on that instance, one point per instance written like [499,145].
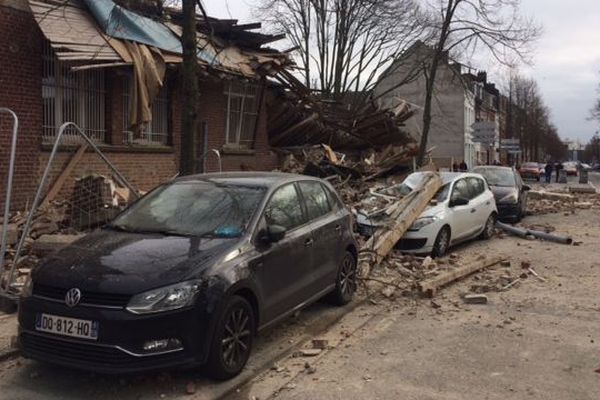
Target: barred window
[157,130]
[242,114]
[77,97]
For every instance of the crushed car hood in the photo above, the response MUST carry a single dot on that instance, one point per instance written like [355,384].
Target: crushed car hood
[127,263]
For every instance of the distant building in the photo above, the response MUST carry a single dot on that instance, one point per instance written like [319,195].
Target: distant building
[460,100]
[575,149]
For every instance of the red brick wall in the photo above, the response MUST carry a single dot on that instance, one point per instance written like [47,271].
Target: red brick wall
[143,170]
[212,110]
[20,90]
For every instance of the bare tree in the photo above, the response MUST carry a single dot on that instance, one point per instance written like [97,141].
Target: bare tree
[468,26]
[595,111]
[343,45]
[530,120]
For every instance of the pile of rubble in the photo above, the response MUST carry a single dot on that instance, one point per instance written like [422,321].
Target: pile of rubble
[567,201]
[95,200]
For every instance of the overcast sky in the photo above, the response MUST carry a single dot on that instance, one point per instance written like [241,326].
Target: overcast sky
[566,62]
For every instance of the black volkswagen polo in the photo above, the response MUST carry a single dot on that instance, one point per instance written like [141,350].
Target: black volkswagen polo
[189,273]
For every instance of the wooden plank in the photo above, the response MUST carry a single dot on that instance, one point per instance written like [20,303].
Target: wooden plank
[409,209]
[60,181]
[430,286]
[292,128]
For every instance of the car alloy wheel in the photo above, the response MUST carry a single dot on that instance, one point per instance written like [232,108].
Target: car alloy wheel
[442,242]
[232,341]
[345,284]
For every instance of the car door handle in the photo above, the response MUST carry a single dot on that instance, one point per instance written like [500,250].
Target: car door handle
[473,210]
[308,242]
[338,228]
[487,203]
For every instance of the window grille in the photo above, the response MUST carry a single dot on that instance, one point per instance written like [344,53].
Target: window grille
[157,130]
[77,97]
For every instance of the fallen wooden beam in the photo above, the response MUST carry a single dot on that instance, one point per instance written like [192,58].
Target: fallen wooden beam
[539,194]
[60,181]
[408,210]
[431,286]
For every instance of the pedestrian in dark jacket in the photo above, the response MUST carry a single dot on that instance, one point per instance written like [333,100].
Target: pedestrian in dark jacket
[548,170]
[463,166]
[558,167]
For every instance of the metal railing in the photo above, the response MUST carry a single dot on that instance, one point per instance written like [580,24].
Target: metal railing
[39,194]
[11,170]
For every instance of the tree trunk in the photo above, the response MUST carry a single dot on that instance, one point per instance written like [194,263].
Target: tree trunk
[189,85]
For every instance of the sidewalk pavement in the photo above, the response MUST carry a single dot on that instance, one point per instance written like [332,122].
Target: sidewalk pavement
[8,335]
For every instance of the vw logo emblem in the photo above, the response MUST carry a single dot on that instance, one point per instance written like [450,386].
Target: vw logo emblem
[73,297]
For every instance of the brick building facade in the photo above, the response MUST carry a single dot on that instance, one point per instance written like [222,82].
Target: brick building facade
[24,89]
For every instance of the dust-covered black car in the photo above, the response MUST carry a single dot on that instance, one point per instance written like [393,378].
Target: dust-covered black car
[189,273]
[509,191]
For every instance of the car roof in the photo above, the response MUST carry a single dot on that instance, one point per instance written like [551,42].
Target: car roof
[498,167]
[447,177]
[248,178]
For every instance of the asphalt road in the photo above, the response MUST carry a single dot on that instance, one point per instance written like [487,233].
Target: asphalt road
[537,340]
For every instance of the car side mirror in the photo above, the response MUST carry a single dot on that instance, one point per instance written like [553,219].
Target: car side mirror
[459,201]
[526,188]
[272,234]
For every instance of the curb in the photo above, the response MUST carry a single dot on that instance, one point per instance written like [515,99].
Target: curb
[10,353]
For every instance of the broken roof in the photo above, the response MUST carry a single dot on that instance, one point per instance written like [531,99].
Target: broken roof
[93,34]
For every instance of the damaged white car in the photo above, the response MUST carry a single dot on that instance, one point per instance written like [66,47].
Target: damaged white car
[462,209]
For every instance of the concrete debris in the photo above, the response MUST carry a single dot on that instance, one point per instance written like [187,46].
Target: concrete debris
[190,388]
[475,298]
[12,235]
[550,202]
[307,353]
[320,344]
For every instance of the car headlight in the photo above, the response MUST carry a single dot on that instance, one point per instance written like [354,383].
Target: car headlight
[509,199]
[421,222]
[164,299]
[27,289]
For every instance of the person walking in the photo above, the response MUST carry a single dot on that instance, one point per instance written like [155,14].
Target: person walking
[548,170]
[558,167]
[463,166]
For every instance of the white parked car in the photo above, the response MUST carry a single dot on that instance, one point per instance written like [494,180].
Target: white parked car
[463,209]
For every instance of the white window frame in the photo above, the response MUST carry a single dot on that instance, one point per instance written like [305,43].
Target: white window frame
[156,132]
[243,91]
[88,108]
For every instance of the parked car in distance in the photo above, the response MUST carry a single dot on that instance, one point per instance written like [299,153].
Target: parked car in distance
[585,166]
[462,209]
[531,170]
[509,191]
[571,168]
[189,273]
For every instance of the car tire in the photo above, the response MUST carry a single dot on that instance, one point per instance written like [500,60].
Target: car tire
[442,242]
[232,340]
[345,281]
[490,227]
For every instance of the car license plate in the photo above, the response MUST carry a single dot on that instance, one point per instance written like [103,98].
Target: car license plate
[79,328]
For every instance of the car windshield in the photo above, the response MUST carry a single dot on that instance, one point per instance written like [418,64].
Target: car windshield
[193,208]
[497,176]
[413,180]
[442,193]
